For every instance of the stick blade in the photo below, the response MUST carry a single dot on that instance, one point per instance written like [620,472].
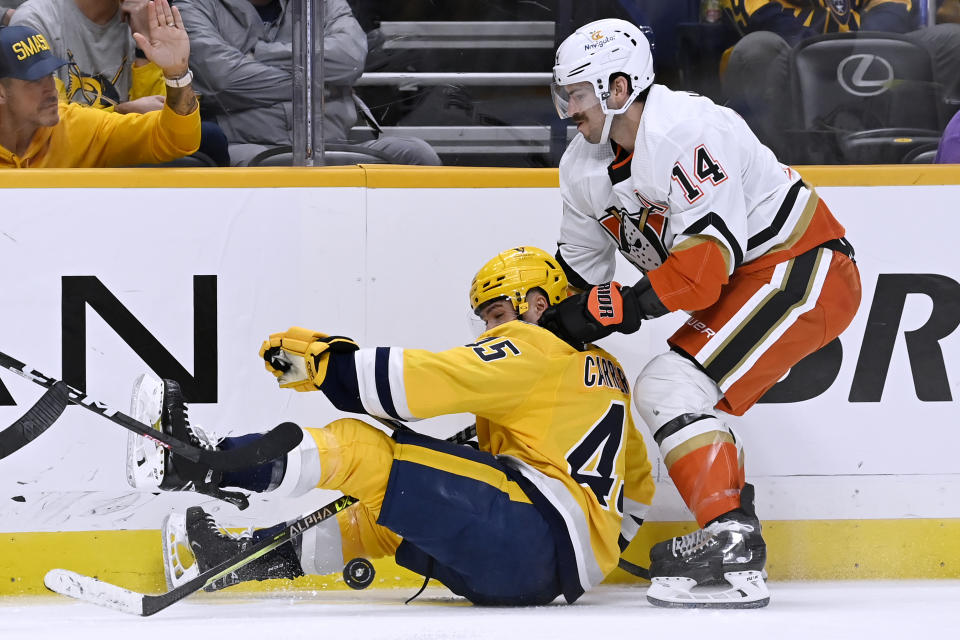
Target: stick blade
[87,589]
[634,569]
[273,444]
[35,421]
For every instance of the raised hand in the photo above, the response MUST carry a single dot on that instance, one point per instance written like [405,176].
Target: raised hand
[134,13]
[165,43]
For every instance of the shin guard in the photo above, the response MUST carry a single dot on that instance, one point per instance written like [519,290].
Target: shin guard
[705,462]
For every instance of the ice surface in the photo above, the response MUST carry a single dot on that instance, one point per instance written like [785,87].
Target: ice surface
[807,611]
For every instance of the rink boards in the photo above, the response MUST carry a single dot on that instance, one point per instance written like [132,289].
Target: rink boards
[106,273]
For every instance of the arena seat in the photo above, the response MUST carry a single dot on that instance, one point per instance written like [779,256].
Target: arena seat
[334,155]
[862,98]
[923,154]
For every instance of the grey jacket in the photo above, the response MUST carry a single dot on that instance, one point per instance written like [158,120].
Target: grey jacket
[243,68]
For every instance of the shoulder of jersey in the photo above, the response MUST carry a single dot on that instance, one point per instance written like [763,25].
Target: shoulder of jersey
[583,171]
[679,117]
[581,154]
[594,349]
[535,336]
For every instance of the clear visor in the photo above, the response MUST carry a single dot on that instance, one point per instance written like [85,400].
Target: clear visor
[572,99]
[476,324]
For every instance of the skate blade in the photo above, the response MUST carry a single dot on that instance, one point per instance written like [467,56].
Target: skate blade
[179,563]
[746,590]
[145,459]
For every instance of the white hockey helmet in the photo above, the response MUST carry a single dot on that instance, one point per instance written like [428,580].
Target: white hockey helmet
[595,52]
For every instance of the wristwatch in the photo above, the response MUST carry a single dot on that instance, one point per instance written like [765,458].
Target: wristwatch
[182,81]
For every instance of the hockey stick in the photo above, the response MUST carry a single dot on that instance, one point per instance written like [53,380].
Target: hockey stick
[35,421]
[463,436]
[634,569]
[271,446]
[104,594]
[108,595]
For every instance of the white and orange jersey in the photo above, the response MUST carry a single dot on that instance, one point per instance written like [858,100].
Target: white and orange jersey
[697,198]
[558,416]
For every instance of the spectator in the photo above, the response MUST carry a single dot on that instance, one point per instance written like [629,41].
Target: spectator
[7,9]
[243,58]
[949,150]
[38,130]
[757,73]
[947,10]
[105,69]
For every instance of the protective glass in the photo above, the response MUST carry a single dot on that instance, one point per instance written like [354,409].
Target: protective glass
[573,98]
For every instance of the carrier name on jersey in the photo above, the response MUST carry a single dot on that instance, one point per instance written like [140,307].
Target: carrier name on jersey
[600,372]
[639,235]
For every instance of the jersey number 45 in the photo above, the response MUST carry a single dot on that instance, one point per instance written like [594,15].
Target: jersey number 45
[593,460]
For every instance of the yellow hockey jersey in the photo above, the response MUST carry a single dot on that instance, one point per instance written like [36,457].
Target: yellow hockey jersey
[558,416]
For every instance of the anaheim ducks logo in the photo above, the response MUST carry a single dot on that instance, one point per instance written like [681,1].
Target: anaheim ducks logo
[640,235]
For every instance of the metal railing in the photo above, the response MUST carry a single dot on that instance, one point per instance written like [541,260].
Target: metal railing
[460,140]
[307,134]
[308,144]
[468,35]
[414,79]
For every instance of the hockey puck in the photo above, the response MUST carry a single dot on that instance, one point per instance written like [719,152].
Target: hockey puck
[359,573]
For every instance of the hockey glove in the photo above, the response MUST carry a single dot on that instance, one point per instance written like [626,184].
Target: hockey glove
[298,357]
[593,314]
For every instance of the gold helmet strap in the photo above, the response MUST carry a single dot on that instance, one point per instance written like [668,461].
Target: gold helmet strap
[520,304]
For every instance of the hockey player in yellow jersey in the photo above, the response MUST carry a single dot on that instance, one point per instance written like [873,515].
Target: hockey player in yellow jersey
[559,485]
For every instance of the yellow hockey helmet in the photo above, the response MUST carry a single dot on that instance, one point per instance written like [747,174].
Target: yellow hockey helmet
[512,273]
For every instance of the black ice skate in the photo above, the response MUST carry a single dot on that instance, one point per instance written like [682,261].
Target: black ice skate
[680,545]
[160,404]
[194,543]
[729,552]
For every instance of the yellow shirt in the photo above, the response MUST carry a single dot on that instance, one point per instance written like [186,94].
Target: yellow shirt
[822,16]
[145,80]
[87,137]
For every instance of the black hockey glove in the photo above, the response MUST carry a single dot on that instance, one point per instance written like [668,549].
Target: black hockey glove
[593,314]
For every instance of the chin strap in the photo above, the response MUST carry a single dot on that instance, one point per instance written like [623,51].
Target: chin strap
[605,133]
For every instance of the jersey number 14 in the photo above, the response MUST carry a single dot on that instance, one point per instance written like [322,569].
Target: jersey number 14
[706,169]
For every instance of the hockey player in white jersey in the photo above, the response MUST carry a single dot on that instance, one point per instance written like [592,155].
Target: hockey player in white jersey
[719,229]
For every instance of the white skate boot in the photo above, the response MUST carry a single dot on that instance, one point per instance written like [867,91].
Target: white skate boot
[194,542]
[150,466]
